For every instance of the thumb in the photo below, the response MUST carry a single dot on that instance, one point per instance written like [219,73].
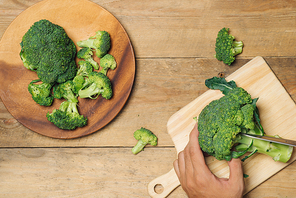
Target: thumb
[236,171]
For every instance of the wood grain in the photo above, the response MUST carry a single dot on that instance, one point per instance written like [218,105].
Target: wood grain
[14,77]
[188,29]
[173,44]
[85,172]
[277,115]
[182,77]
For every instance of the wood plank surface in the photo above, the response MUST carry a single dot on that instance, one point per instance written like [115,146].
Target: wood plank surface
[277,115]
[175,78]
[87,172]
[168,28]
[174,46]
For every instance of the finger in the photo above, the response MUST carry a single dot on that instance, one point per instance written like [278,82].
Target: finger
[196,154]
[181,165]
[193,140]
[236,171]
[187,159]
[176,167]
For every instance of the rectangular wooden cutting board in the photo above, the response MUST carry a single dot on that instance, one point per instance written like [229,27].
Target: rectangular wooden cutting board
[278,117]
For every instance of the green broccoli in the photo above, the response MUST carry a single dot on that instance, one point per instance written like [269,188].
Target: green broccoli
[65,90]
[86,54]
[84,69]
[30,59]
[226,48]
[221,122]
[95,84]
[107,62]
[78,83]
[67,116]
[69,74]
[101,42]
[144,137]
[41,93]
[47,49]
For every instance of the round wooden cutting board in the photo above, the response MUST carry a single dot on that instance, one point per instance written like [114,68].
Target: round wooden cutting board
[80,19]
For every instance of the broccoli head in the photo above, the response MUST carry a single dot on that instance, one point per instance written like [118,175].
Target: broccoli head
[67,116]
[41,93]
[226,48]
[101,42]
[221,122]
[65,90]
[107,62]
[47,49]
[144,137]
[86,54]
[96,84]
[69,74]
[84,69]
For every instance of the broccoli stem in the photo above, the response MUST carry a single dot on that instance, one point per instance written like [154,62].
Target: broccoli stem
[139,147]
[90,91]
[86,43]
[92,62]
[277,151]
[64,106]
[104,71]
[237,47]
[72,108]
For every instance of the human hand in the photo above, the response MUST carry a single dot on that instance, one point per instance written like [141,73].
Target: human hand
[196,178]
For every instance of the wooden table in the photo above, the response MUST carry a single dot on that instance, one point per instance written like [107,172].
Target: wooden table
[174,47]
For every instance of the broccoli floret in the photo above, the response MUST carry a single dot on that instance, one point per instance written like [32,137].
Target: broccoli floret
[86,54]
[101,42]
[144,137]
[96,84]
[226,48]
[47,49]
[67,116]
[221,122]
[41,93]
[78,83]
[84,69]
[69,74]
[65,90]
[30,60]
[107,62]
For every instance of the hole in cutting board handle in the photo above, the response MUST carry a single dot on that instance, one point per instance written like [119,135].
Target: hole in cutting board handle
[158,188]
[163,185]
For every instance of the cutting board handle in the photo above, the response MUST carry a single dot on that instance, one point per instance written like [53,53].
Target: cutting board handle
[168,181]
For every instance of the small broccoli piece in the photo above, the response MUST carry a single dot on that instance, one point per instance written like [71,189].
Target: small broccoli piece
[226,48]
[78,83]
[144,137]
[107,62]
[65,90]
[85,68]
[86,54]
[96,84]
[221,122]
[67,116]
[47,49]
[41,93]
[101,42]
